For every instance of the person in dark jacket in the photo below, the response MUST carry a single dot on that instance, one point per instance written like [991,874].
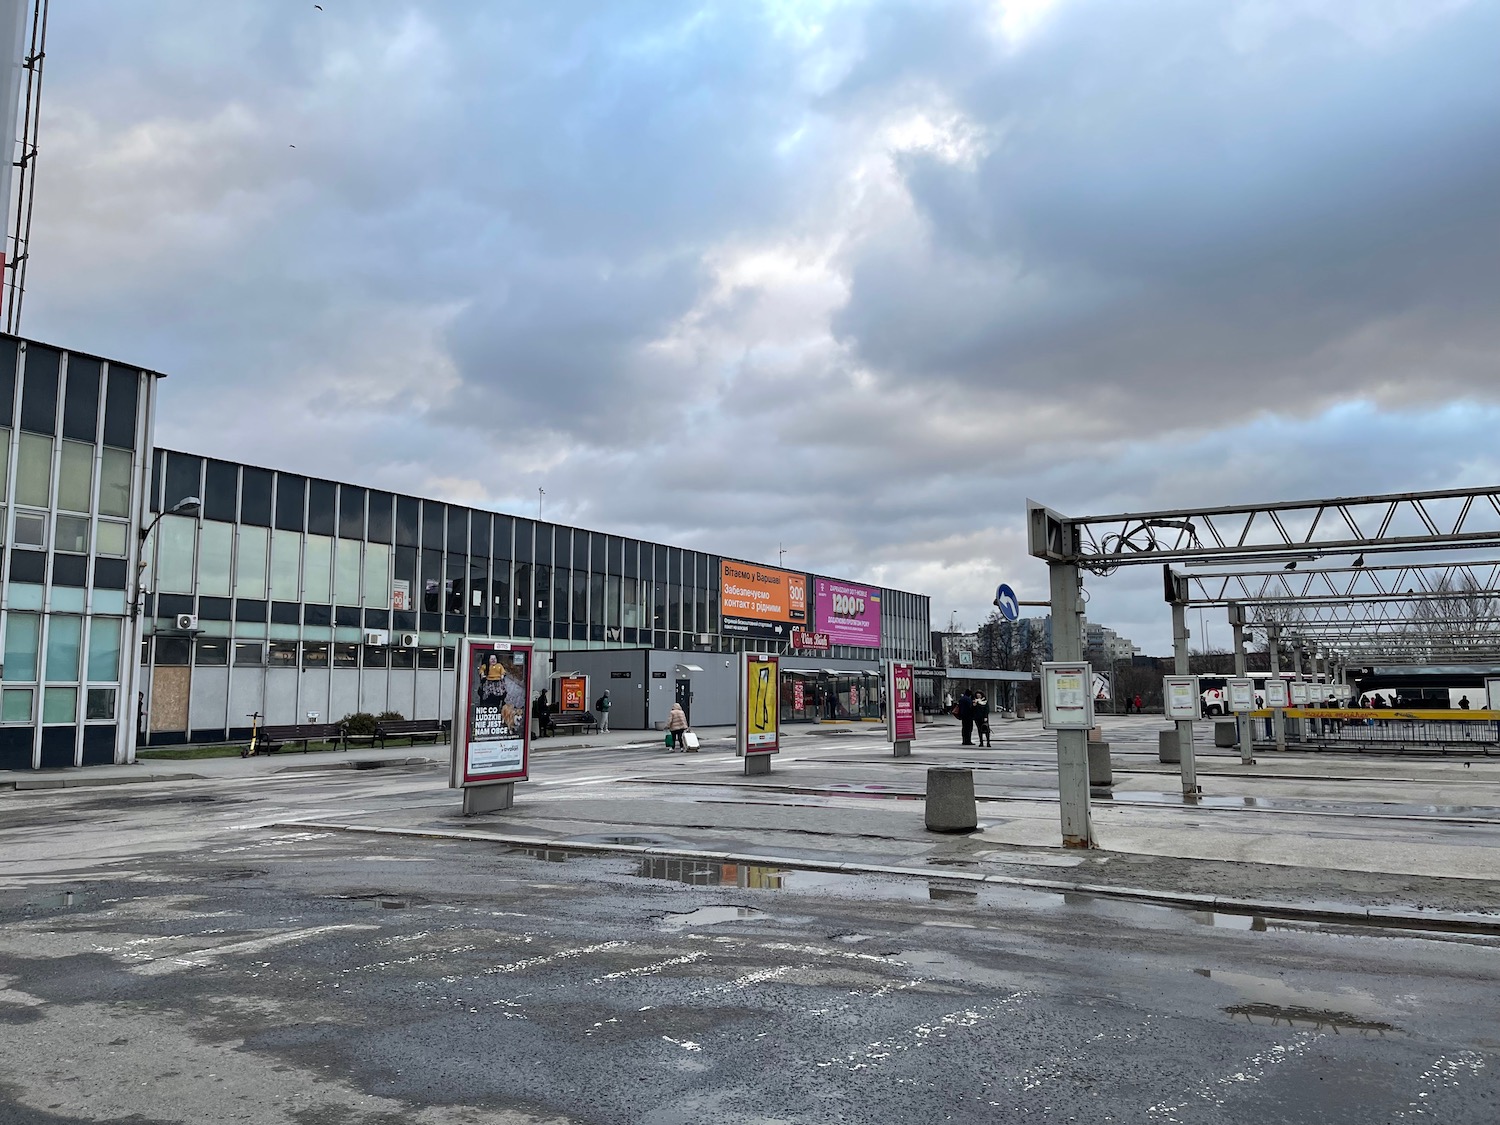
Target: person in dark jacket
[982,718]
[543,715]
[965,712]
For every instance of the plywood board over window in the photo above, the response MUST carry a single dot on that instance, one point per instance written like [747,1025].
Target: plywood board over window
[170,692]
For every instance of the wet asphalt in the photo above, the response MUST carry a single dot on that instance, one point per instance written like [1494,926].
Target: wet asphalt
[170,955]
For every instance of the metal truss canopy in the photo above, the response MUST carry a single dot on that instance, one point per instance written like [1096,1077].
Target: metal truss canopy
[1407,521]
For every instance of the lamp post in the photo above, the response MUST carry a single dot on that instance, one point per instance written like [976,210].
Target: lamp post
[187,506]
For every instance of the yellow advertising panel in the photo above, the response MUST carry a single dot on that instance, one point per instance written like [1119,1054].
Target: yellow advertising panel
[761,600]
[760,700]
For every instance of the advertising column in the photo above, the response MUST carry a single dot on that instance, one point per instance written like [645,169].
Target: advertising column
[759,710]
[900,707]
[491,724]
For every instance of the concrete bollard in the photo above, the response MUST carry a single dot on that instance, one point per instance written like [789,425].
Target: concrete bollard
[1168,749]
[950,800]
[1101,773]
[1226,734]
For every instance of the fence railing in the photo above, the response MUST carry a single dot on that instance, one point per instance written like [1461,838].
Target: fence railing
[1360,728]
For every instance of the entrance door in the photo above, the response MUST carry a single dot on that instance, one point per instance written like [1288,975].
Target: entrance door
[685,698]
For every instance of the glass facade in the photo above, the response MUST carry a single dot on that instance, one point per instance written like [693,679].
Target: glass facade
[72,428]
[369,593]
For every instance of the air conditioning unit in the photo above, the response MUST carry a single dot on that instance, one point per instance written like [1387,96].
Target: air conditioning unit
[377,637]
[187,621]
[408,640]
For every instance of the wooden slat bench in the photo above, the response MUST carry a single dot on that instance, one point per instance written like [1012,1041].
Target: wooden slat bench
[273,738]
[574,720]
[412,729]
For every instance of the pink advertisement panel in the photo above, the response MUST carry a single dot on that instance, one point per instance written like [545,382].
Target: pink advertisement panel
[849,614]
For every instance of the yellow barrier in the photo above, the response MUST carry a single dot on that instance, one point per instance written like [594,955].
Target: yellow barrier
[1349,713]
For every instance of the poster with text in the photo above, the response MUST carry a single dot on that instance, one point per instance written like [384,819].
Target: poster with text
[573,693]
[849,614]
[901,701]
[492,735]
[761,601]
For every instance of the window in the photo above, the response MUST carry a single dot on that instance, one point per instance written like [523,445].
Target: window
[346,572]
[283,654]
[250,571]
[286,555]
[60,705]
[114,483]
[4,454]
[314,654]
[543,592]
[81,399]
[500,586]
[215,549]
[172,652]
[377,576]
[612,601]
[321,496]
[375,656]
[100,703]
[73,534]
[403,658]
[22,634]
[34,471]
[174,554]
[39,392]
[16,704]
[211,652]
[104,648]
[255,496]
[631,589]
[120,407]
[450,657]
[380,527]
[64,642]
[290,496]
[427,658]
[351,511]
[346,656]
[112,538]
[75,478]
[249,654]
[523,592]
[317,570]
[31,530]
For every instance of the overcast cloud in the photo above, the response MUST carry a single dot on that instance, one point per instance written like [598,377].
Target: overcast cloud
[852,278]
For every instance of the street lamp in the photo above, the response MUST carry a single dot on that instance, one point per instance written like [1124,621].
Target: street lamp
[187,506]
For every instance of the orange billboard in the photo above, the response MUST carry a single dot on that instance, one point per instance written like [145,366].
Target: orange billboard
[573,693]
[760,600]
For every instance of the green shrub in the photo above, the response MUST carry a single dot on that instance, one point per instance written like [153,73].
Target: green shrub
[360,723]
[390,717]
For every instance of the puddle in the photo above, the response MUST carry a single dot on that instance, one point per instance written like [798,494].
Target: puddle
[708,916]
[1317,1018]
[706,873]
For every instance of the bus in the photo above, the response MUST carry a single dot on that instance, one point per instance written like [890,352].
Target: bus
[1214,690]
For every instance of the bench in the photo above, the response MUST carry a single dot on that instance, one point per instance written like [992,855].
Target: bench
[574,720]
[272,738]
[412,729]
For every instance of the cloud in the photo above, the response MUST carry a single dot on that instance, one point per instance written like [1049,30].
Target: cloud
[851,278]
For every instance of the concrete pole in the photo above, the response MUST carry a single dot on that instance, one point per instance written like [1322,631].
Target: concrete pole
[1184,726]
[1243,734]
[1278,716]
[1072,745]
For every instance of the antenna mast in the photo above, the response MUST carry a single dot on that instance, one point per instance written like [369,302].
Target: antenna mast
[31,116]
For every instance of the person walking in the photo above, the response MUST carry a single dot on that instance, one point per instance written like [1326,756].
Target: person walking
[677,725]
[1137,704]
[602,707]
[965,712]
[982,718]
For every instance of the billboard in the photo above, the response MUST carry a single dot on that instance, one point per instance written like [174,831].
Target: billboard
[849,614]
[491,728]
[573,693]
[900,702]
[760,703]
[761,601]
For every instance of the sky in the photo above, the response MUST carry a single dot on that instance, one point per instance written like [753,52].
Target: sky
[851,279]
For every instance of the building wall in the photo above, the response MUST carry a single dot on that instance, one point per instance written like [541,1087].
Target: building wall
[72,478]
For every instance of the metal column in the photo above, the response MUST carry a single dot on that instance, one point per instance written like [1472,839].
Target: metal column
[1278,716]
[1243,734]
[1184,726]
[1072,745]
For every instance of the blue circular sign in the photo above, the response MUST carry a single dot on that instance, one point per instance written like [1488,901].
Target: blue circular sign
[1006,600]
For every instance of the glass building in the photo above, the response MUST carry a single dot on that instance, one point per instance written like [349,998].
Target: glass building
[287,597]
[158,597]
[73,476]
